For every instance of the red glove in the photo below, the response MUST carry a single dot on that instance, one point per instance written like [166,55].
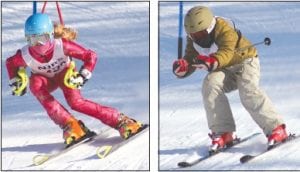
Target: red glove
[180,67]
[208,63]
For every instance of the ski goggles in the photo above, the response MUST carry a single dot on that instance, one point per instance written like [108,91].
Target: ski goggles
[34,40]
[198,35]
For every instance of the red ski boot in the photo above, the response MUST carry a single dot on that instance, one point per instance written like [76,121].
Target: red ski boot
[220,141]
[278,135]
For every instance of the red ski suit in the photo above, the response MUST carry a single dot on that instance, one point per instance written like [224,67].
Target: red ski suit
[41,86]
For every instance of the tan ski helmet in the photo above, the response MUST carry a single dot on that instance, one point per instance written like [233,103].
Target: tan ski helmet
[197,19]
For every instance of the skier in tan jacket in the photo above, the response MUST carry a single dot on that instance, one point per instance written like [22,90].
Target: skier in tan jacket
[215,45]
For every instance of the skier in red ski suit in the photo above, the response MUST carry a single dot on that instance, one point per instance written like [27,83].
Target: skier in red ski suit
[48,54]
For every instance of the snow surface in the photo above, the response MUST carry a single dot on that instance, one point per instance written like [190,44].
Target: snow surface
[119,33]
[183,126]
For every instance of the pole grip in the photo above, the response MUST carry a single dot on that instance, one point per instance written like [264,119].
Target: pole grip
[179,47]
[180,30]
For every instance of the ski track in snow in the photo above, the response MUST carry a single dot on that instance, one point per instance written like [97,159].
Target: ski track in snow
[183,125]
[119,33]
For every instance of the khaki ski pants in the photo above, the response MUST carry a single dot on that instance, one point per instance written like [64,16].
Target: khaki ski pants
[245,78]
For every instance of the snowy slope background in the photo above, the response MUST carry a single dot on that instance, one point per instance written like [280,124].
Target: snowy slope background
[119,33]
[183,126]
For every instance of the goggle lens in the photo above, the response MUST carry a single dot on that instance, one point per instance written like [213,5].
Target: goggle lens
[198,35]
[34,40]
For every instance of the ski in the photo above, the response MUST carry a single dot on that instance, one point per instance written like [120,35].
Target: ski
[247,158]
[42,158]
[104,150]
[184,164]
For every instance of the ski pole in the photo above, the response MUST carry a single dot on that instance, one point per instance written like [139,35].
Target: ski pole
[180,31]
[44,7]
[59,13]
[267,41]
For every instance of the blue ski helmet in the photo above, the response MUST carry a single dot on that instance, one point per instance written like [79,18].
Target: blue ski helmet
[38,24]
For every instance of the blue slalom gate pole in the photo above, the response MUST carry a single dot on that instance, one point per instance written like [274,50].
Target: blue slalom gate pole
[180,30]
[34,7]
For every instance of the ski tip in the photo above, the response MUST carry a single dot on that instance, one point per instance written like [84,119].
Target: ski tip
[40,159]
[103,151]
[145,126]
[246,158]
[184,164]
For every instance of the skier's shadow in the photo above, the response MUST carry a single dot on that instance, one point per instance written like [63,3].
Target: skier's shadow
[107,141]
[40,148]
[200,150]
[195,149]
